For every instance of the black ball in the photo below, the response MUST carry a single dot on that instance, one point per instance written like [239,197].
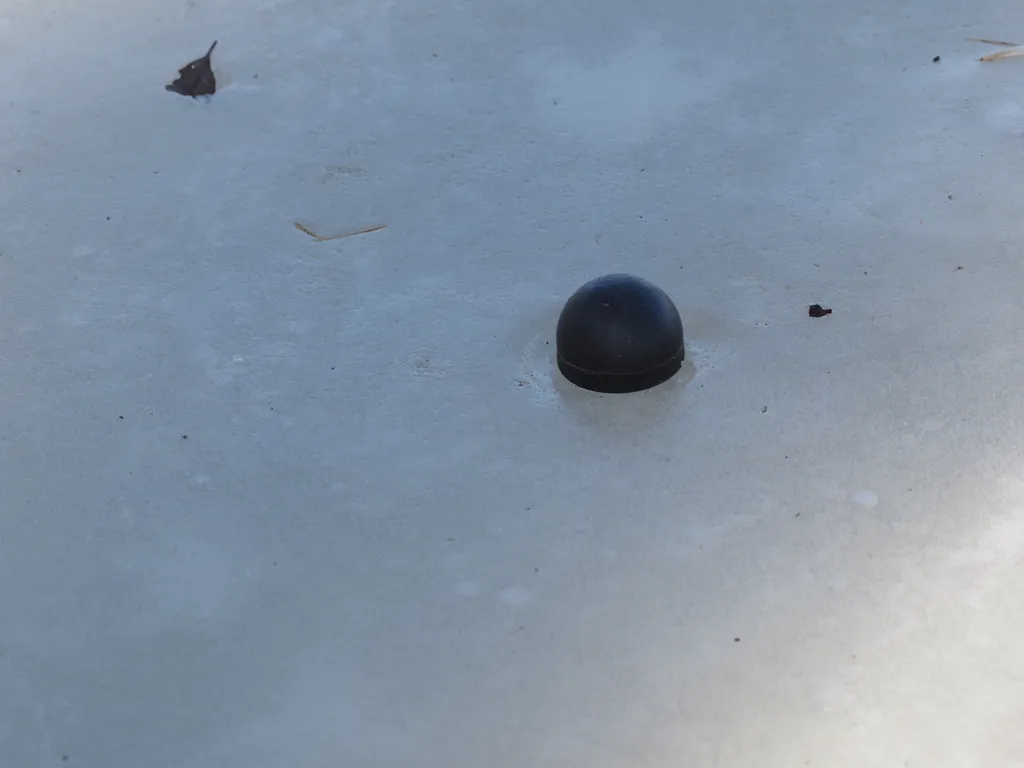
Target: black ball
[619,333]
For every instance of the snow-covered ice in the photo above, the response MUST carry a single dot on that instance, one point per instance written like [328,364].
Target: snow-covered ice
[267,501]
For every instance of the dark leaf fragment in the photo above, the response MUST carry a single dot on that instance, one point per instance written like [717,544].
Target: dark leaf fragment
[816,310]
[196,78]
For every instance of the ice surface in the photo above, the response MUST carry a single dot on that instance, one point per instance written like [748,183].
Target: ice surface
[267,501]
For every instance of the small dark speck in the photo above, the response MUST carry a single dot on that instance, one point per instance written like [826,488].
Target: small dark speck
[108,218]
[332,367]
[184,437]
[555,102]
[959,268]
[536,570]
[949,196]
[434,55]
[797,515]
[764,409]
[735,639]
[64,758]
[121,417]
[255,77]
[937,59]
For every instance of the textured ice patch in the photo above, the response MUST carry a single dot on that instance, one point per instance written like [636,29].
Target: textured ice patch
[516,596]
[706,357]
[1007,117]
[188,577]
[867,499]
[638,92]
[468,588]
[540,364]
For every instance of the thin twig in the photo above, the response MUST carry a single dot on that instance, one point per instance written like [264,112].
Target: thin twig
[986,41]
[320,239]
[307,230]
[1013,53]
[364,231]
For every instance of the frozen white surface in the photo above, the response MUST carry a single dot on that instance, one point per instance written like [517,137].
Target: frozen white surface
[394,536]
